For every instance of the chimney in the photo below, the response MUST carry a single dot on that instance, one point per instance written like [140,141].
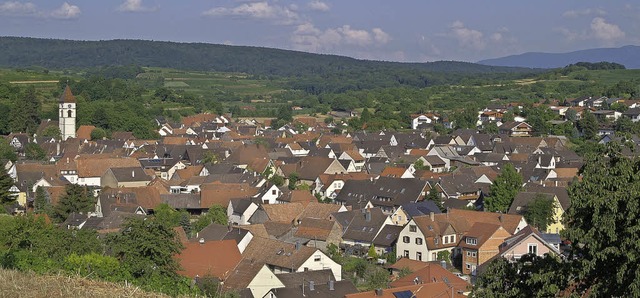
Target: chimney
[379,292]
[331,285]
[133,173]
[297,245]
[57,148]
[431,216]
[312,285]
[500,217]
[201,241]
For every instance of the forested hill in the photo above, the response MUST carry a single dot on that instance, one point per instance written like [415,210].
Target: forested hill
[61,54]
[629,56]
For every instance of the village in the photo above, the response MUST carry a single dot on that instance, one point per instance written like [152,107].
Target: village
[413,202]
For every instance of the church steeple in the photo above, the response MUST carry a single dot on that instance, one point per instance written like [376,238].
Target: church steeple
[67,109]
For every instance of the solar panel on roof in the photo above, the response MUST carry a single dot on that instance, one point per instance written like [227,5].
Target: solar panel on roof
[403,294]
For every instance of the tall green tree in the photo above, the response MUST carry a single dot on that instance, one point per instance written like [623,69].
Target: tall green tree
[539,212]
[216,214]
[531,276]
[7,152]
[603,223]
[25,116]
[146,247]
[6,197]
[41,204]
[76,199]
[33,151]
[503,190]
[588,124]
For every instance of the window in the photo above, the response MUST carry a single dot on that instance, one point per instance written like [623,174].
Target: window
[419,241]
[316,258]
[452,238]
[69,113]
[468,253]
[419,256]
[412,228]
[400,217]
[533,249]
[406,239]
[469,266]
[472,241]
[406,253]
[274,192]
[474,254]
[435,240]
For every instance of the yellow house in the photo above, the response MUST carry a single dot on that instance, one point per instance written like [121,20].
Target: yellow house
[558,216]
[523,199]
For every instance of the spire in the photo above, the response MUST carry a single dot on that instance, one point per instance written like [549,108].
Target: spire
[67,96]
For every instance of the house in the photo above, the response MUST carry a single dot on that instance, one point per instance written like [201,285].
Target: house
[516,129]
[633,114]
[137,200]
[432,272]
[240,211]
[361,227]
[125,177]
[562,202]
[528,241]
[426,236]
[311,284]
[386,193]
[410,210]
[91,168]
[419,120]
[480,244]
[309,168]
[254,277]
[428,290]
[218,232]
[217,193]
[282,257]
[328,186]
[196,259]
[385,241]
[320,232]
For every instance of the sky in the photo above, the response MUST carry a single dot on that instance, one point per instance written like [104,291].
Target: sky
[405,31]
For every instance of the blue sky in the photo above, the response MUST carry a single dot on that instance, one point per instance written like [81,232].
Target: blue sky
[411,30]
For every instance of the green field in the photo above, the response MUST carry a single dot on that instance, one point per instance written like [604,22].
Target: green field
[206,83]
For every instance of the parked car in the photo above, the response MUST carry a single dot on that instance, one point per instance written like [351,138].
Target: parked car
[461,276]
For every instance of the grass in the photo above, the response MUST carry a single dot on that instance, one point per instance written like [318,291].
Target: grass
[205,83]
[20,284]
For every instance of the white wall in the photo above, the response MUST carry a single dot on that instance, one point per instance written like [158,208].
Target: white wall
[324,262]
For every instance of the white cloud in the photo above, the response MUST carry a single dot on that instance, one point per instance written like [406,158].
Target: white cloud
[307,37]
[584,12]
[355,36]
[380,36]
[14,8]
[604,31]
[497,37]
[134,6]
[66,12]
[257,10]
[467,37]
[318,5]
[569,35]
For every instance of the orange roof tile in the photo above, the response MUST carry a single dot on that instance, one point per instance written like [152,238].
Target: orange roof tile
[200,259]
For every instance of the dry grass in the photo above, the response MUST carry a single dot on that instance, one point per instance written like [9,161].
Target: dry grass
[20,284]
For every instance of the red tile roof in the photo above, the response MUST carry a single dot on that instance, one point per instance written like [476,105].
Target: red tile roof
[212,258]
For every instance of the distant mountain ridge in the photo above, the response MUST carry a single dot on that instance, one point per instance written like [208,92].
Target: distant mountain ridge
[60,54]
[629,56]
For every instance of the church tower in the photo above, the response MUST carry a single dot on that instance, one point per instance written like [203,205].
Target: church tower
[67,108]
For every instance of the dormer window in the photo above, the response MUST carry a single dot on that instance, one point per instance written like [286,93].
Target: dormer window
[472,241]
